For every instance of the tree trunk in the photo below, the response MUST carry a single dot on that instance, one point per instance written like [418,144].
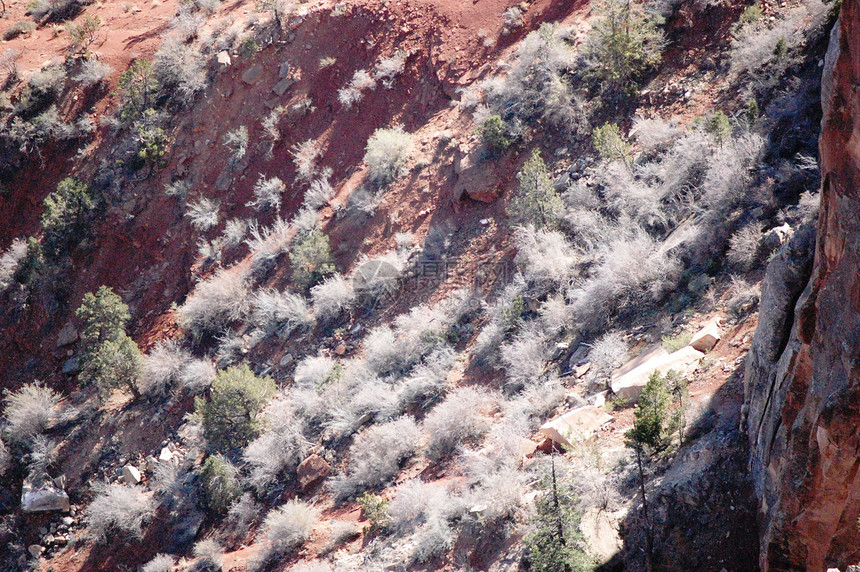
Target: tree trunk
[648,539]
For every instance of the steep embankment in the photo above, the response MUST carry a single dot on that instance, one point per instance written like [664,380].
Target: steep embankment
[802,390]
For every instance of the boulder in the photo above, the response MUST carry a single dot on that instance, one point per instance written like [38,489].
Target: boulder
[474,176]
[223,59]
[630,384]
[166,455]
[35,550]
[600,529]
[252,74]
[705,339]
[131,474]
[578,423]
[526,447]
[312,470]
[71,366]
[282,86]
[41,494]
[68,335]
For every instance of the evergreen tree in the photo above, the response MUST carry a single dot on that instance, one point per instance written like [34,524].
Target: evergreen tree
[536,201]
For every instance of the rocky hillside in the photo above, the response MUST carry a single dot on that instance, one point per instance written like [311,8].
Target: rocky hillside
[418,285]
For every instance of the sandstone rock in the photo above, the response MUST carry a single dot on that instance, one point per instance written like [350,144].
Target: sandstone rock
[600,529]
[474,176]
[286,360]
[312,470]
[68,521]
[575,425]
[705,339]
[131,474]
[526,447]
[283,70]
[68,335]
[166,455]
[630,384]
[252,74]
[581,370]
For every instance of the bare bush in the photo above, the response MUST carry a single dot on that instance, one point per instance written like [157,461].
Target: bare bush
[333,296]
[9,261]
[376,455]
[305,156]
[180,69]
[313,371]
[319,194]
[267,194]
[427,382]
[524,357]
[234,232]
[289,526]
[5,459]
[372,399]
[209,554]
[237,141]
[93,72]
[386,70]
[242,515]
[163,367]
[607,354]
[546,257]
[197,376]
[280,313]
[354,91]
[536,86]
[744,246]
[462,418]
[29,412]
[654,135]
[215,303]
[119,508]
[386,154]
[203,213]
[266,244]
[160,563]
[280,448]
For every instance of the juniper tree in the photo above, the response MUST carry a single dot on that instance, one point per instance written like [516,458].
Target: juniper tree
[536,201]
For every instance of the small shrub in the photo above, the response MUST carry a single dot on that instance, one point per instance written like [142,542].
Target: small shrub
[318,195]
[312,372]
[197,376]
[22,28]
[237,141]
[150,138]
[280,313]
[386,70]
[376,455]
[607,140]
[354,91]
[209,554]
[386,154]
[242,514]
[333,296]
[545,256]
[267,194]
[231,417]
[160,563]
[119,509]
[114,364]
[460,419]
[215,303]
[674,343]
[623,44]
[67,215]
[93,72]
[10,260]
[607,353]
[279,449]
[234,232]
[104,316]
[493,132]
[374,508]
[29,412]
[311,260]
[524,358]
[180,69]
[290,526]
[744,247]
[305,157]
[719,125]
[203,213]
[138,89]
[83,34]
[536,201]
[220,482]
[163,368]
[751,14]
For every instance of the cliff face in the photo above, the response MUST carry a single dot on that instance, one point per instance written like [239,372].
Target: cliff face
[803,370]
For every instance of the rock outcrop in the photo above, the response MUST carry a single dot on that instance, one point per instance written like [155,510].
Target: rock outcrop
[802,390]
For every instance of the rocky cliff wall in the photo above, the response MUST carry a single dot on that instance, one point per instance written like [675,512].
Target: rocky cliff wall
[803,370]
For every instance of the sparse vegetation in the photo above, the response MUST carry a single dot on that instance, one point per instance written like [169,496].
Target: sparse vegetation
[536,201]
[494,133]
[607,140]
[119,509]
[220,481]
[311,260]
[29,412]
[288,527]
[67,216]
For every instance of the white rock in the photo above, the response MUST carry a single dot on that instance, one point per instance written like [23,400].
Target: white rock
[166,455]
[131,474]
[577,424]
